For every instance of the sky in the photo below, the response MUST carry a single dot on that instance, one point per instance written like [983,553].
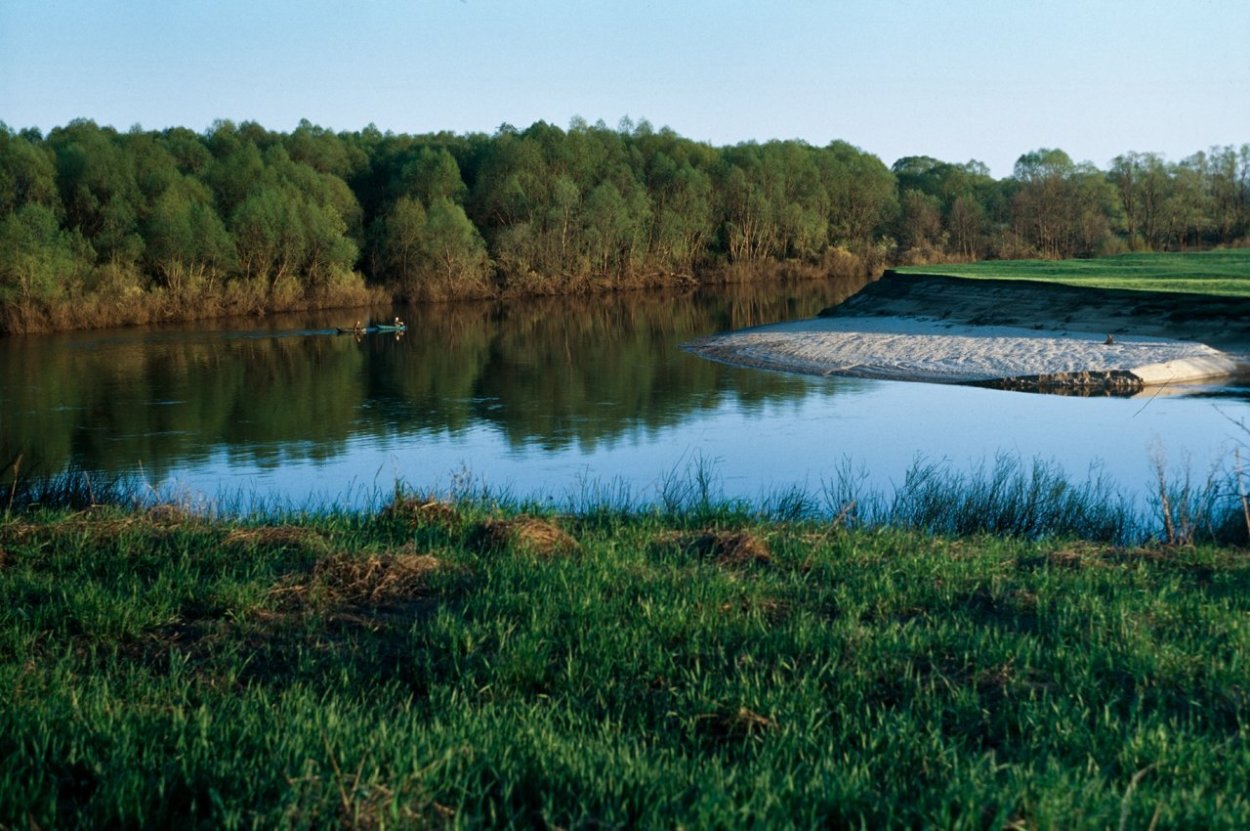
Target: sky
[954,79]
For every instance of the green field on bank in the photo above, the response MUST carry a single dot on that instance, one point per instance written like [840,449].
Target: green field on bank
[1225,272]
[457,664]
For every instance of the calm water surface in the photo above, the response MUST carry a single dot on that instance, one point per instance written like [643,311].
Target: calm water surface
[550,399]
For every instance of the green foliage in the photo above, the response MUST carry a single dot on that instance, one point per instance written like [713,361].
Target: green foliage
[399,236]
[96,178]
[41,261]
[27,174]
[433,174]
[454,247]
[187,240]
[289,219]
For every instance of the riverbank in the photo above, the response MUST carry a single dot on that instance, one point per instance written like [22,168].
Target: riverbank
[1014,334]
[208,306]
[460,664]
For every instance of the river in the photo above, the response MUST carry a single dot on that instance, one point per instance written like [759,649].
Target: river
[555,400]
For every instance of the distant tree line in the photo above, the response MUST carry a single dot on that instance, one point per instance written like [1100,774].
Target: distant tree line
[99,226]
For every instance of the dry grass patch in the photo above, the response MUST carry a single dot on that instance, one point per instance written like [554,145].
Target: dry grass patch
[727,548]
[528,534]
[1131,556]
[731,724]
[771,609]
[1071,557]
[1067,558]
[1080,556]
[416,511]
[168,515]
[15,531]
[277,537]
[360,580]
[104,524]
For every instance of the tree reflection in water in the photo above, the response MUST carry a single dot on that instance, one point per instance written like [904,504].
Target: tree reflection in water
[549,373]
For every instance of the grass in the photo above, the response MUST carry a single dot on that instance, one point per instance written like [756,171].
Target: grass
[459,664]
[1225,272]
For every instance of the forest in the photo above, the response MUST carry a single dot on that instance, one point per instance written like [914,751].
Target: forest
[102,227]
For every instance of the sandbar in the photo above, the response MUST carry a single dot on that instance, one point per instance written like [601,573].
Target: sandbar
[874,335]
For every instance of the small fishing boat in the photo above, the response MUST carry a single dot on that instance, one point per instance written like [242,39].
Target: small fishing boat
[397,326]
[373,328]
[353,330]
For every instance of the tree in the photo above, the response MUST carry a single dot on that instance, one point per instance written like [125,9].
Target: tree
[683,215]
[96,179]
[233,176]
[401,234]
[186,240]
[27,174]
[1095,209]
[966,223]
[562,222]
[269,234]
[1186,210]
[431,175]
[321,150]
[454,245]
[1125,176]
[920,220]
[607,227]
[41,262]
[965,195]
[1226,199]
[861,193]
[1043,205]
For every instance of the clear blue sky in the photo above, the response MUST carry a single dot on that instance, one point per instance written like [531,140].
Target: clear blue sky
[958,80]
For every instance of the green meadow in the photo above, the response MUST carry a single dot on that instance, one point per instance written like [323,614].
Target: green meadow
[461,664]
[1223,272]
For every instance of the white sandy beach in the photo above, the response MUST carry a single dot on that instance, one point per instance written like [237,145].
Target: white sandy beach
[925,349]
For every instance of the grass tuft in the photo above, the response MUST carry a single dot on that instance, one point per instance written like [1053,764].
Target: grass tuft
[735,724]
[278,537]
[727,548]
[72,489]
[352,580]
[526,534]
[417,511]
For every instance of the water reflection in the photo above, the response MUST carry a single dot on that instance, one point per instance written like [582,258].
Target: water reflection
[548,374]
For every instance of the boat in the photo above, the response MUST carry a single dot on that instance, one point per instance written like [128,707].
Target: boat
[372,328]
[351,330]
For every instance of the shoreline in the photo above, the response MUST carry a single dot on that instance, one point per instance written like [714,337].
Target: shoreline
[993,335]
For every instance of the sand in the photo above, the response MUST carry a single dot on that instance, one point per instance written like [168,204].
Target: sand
[863,338]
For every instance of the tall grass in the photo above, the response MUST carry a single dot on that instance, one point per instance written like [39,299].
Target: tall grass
[72,488]
[1012,499]
[1005,496]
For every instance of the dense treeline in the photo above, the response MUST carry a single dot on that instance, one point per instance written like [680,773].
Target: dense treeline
[99,226]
